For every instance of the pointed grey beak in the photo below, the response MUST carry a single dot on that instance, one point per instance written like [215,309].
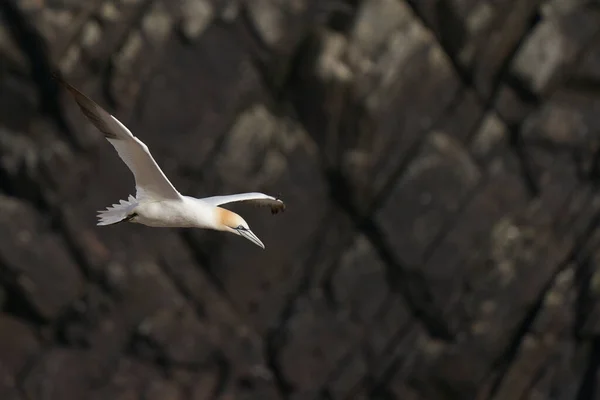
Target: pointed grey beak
[248,234]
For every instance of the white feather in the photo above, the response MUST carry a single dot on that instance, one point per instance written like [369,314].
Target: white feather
[255,197]
[118,212]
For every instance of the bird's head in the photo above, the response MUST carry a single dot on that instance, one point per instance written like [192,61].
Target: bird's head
[231,222]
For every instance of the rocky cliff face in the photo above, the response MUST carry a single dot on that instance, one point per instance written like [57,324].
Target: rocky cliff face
[440,164]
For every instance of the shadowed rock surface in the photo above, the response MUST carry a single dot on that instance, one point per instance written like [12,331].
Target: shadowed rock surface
[440,165]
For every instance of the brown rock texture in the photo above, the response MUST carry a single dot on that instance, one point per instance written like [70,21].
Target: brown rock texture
[439,160]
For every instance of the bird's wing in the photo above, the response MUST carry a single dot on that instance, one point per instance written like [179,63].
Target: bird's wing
[150,181]
[259,199]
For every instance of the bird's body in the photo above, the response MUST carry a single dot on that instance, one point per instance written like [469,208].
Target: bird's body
[157,203]
[188,212]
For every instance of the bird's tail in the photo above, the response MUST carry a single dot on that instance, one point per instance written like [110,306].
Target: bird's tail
[118,212]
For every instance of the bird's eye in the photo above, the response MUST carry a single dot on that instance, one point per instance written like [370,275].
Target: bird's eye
[241,228]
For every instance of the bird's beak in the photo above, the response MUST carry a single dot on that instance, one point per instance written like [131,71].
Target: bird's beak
[248,234]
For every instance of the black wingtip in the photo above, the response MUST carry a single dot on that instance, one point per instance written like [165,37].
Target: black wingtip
[278,208]
[57,76]
[89,108]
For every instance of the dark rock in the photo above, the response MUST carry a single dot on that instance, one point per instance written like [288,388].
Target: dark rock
[8,384]
[179,337]
[37,260]
[133,379]
[512,106]
[201,385]
[19,102]
[317,341]
[18,344]
[60,373]
[490,140]
[138,55]
[161,390]
[426,196]
[388,328]
[196,15]
[353,371]
[359,282]
[248,389]
[518,255]
[566,121]
[462,118]
[364,105]
[586,71]
[466,240]
[543,353]
[552,46]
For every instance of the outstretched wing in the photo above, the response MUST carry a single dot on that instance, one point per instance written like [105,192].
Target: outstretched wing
[150,181]
[259,199]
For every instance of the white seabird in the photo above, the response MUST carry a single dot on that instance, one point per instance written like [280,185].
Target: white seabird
[157,203]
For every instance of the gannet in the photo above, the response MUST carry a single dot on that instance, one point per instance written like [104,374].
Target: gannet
[157,203]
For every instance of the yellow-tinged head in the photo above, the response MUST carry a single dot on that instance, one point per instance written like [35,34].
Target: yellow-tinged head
[231,222]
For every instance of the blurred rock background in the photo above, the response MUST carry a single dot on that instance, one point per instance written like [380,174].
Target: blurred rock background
[439,160]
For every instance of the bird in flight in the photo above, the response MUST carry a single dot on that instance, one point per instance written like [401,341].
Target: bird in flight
[157,203]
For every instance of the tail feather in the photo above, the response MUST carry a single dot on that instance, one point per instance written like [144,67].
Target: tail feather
[117,212]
